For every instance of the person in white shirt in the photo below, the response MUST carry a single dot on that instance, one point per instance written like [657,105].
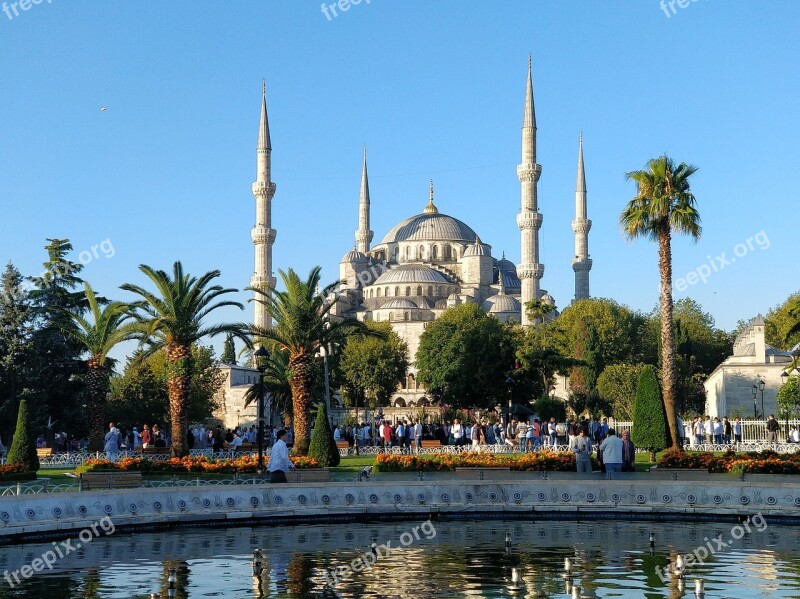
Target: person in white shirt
[237,441]
[279,462]
[611,448]
[418,434]
[794,435]
[337,433]
[458,432]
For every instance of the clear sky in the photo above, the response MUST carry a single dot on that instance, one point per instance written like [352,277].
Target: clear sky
[435,89]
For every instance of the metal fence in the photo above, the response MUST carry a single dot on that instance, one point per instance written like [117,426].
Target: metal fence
[753,431]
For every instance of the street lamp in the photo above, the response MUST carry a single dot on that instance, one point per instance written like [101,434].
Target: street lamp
[237,418]
[761,385]
[755,409]
[261,355]
[510,382]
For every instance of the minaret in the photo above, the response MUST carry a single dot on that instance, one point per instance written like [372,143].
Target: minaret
[263,234]
[529,218]
[581,263]
[363,234]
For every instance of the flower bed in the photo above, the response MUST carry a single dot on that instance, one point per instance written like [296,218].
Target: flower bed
[14,472]
[764,462]
[534,461]
[189,464]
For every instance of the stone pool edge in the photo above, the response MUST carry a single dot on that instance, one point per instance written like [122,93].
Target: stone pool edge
[57,515]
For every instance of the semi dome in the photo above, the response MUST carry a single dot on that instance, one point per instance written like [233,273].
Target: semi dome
[430,227]
[411,273]
[477,249]
[354,256]
[399,304]
[502,304]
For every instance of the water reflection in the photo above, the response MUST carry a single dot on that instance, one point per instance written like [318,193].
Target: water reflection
[460,559]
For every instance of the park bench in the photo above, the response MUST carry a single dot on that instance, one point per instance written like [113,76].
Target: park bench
[44,452]
[309,475]
[431,443]
[343,445]
[110,480]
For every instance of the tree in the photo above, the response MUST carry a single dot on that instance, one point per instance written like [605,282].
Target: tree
[615,327]
[548,407]
[464,357]
[109,326]
[783,323]
[16,348]
[23,447]
[302,326]
[373,367]
[617,383]
[538,311]
[56,360]
[229,351]
[649,419]
[322,447]
[664,205]
[173,321]
[141,394]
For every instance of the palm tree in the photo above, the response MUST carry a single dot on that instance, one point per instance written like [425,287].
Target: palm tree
[663,205]
[302,326]
[173,321]
[110,324]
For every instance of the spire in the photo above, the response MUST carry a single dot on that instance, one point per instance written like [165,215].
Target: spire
[529,116]
[431,207]
[580,185]
[500,280]
[363,233]
[264,142]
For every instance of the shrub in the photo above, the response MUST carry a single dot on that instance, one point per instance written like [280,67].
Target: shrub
[649,418]
[322,447]
[23,447]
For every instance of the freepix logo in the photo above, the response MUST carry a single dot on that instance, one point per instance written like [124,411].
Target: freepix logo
[13,10]
[59,551]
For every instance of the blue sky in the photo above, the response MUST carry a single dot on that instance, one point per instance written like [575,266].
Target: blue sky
[434,90]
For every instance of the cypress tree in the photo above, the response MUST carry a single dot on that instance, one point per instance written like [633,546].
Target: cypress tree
[23,448]
[323,447]
[650,429]
[228,351]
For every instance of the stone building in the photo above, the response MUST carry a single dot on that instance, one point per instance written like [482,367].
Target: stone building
[735,385]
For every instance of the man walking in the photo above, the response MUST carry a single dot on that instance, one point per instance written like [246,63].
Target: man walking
[111,446]
[628,453]
[581,446]
[279,462]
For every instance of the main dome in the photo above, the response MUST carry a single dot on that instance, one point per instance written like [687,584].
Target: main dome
[431,227]
[411,273]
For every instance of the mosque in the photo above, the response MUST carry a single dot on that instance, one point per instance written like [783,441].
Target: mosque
[430,261]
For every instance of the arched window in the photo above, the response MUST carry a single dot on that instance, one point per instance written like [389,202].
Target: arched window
[411,383]
[440,291]
[379,292]
[419,290]
[447,252]
[408,252]
[422,252]
[397,291]
[408,291]
[435,252]
[406,316]
[455,253]
[430,290]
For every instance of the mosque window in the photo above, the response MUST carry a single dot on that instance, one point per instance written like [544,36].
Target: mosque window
[397,291]
[430,290]
[379,292]
[405,316]
[408,252]
[419,290]
[435,252]
[408,291]
[440,291]
[421,252]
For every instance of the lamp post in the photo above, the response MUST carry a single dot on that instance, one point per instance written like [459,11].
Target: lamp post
[237,418]
[510,382]
[261,355]
[761,385]
[755,409]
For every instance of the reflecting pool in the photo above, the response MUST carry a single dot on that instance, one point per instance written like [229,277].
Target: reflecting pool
[418,560]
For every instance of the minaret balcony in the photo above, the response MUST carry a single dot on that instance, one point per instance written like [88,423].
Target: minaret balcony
[264,189]
[581,264]
[529,220]
[581,225]
[529,172]
[530,271]
[263,235]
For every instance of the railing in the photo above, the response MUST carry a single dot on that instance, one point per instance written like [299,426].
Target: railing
[78,458]
[753,431]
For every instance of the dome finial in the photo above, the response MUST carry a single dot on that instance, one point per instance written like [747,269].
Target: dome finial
[502,285]
[431,207]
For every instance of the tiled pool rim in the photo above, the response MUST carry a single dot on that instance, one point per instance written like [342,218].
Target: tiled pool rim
[55,515]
